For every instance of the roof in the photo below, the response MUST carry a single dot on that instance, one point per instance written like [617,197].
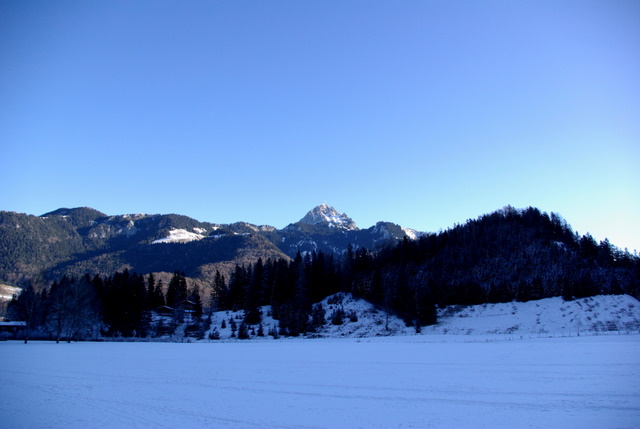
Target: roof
[16,323]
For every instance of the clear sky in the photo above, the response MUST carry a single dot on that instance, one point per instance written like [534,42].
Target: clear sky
[423,113]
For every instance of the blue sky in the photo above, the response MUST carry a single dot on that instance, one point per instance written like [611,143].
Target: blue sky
[422,113]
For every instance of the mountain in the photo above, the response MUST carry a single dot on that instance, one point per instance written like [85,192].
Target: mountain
[75,241]
[328,216]
[511,255]
[324,229]
[85,240]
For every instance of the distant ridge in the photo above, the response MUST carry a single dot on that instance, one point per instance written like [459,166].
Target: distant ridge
[84,240]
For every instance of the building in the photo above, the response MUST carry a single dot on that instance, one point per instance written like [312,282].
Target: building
[11,330]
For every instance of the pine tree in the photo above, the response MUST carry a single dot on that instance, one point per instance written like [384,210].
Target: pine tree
[318,316]
[151,293]
[220,294]
[177,291]
[238,284]
[253,314]
[194,296]
[337,316]
[158,295]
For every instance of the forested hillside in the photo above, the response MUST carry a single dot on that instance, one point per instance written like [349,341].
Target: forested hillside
[77,241]
[509,255]
[82,240]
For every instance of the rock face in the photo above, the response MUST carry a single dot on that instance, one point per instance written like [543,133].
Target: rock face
[328,216]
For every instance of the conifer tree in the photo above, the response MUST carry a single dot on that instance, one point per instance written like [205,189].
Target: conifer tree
[318,316]
[253,315]
[177,291]
[151,293]
[194,296]
[158,294]
[220,293]
[238,284]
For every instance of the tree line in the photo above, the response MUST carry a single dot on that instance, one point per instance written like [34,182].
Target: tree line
[500,257]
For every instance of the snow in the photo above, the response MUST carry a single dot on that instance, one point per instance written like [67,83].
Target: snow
[550,317]
[412,233]
[7,292]
[179,236]
[371,320]
[390,382]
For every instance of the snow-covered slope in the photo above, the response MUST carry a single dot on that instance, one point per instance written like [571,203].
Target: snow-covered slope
[180,236]
[7,292]
[412,233]
[370,322]
[552,316]
[546,317]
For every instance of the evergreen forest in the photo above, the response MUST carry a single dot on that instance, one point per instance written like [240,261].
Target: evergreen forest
[508,255]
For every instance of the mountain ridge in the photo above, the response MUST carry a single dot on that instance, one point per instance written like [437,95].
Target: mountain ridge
[83,239]
[507,256]
[493,252]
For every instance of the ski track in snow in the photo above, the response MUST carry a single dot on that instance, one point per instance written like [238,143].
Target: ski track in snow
[391,382]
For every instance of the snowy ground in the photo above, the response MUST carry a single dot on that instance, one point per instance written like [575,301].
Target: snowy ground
[389,382]
[543,318]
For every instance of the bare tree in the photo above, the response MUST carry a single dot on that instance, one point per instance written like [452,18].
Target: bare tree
[26,307]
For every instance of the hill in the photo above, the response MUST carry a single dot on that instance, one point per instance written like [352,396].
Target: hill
[83,240]
[549,317]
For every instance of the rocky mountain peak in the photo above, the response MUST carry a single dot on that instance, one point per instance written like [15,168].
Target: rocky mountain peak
[327,215]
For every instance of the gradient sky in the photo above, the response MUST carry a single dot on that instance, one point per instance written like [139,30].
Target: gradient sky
[422,113]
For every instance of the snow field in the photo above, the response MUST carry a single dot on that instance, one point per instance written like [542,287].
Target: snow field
[387,382]
[181,236]
[550,317]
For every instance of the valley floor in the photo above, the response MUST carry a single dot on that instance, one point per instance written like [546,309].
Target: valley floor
[388,382]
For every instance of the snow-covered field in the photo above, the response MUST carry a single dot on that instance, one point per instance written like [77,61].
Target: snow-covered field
[452,381]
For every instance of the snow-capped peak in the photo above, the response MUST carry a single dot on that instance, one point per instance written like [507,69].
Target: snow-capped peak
[327,215]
